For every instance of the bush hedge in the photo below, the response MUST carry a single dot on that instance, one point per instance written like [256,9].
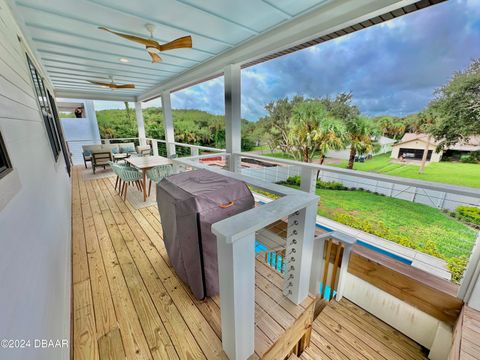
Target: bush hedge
[469,214]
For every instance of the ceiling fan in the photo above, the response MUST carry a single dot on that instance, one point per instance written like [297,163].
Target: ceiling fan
[112,85]
[152,46]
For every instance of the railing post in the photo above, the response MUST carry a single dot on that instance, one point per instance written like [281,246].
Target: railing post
[155,147]
[194,152]
[343,270]
[298,254]
[236,270]
[308,179]
[317,263]
[106,141]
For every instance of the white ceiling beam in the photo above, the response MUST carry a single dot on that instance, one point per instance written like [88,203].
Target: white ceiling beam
[70,94]
[333,16]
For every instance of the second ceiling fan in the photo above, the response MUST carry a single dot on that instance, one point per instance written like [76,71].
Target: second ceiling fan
[152,46]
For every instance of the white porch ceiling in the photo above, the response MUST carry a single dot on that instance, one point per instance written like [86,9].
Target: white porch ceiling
[65,36]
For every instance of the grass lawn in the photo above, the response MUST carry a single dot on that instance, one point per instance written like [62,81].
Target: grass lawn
[414,225]
[445,172]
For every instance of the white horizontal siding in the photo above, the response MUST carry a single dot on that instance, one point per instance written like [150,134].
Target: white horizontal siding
[34,213]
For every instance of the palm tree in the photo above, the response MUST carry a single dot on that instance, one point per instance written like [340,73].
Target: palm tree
[313,131]
[361,132]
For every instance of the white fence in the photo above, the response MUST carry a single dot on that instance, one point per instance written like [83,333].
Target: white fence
[441,196]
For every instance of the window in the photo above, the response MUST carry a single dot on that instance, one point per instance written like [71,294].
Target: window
[66,152]
[46,109]
[5,164]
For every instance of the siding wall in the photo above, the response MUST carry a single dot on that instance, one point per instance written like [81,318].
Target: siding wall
[35,210]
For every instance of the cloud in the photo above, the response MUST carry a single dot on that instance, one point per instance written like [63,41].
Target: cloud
[392,68]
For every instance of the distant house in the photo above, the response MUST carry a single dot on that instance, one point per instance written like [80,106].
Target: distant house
[385,146]
[412,146]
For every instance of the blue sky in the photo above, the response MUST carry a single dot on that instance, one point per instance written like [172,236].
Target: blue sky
[392,68]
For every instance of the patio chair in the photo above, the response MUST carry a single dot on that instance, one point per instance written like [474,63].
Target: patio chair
[145,150]
[128,175]
[101,159]
[158,173]
[115,167]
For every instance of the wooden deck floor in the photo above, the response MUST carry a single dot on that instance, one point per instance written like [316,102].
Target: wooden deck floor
[127,300]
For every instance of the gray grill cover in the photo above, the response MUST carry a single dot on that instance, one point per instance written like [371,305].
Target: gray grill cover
[189,203]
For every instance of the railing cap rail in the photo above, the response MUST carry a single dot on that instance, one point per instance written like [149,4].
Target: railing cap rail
[455,189]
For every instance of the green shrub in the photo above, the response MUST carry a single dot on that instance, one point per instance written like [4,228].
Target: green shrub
[470,214]
[330,185]
[327,185]
[457,267]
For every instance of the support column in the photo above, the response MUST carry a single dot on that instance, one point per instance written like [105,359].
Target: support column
[91,115]
[140,123]
[236,270]
[233,135]
[168,123]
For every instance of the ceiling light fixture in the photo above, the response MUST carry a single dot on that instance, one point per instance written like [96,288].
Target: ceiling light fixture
[124,60]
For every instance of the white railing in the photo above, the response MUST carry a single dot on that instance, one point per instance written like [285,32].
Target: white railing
[236,254]
[434,194]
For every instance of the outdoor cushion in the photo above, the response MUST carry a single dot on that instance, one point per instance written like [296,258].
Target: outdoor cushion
[115,150]
[87,153]
[127,149]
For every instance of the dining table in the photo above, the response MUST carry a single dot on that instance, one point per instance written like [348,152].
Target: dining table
[145,163]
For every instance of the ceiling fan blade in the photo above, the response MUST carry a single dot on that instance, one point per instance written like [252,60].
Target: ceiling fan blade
[99,83]
[155,57]
[183,42]
[125,86]
[138,39]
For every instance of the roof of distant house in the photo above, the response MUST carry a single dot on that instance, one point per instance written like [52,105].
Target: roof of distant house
[473,144]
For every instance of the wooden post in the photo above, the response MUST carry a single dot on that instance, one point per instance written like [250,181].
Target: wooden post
[298,254]
[233,135]
[168,122]
[236,270]
[140,123]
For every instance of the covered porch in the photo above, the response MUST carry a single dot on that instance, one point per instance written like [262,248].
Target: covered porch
[127,301]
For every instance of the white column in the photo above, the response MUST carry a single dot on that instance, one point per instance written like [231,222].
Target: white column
[298,255]
[233,135]
[140,123]
[168,123]
[236,270]
[91,115]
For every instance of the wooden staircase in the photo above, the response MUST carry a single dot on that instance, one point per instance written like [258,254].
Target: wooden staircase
[342,330]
